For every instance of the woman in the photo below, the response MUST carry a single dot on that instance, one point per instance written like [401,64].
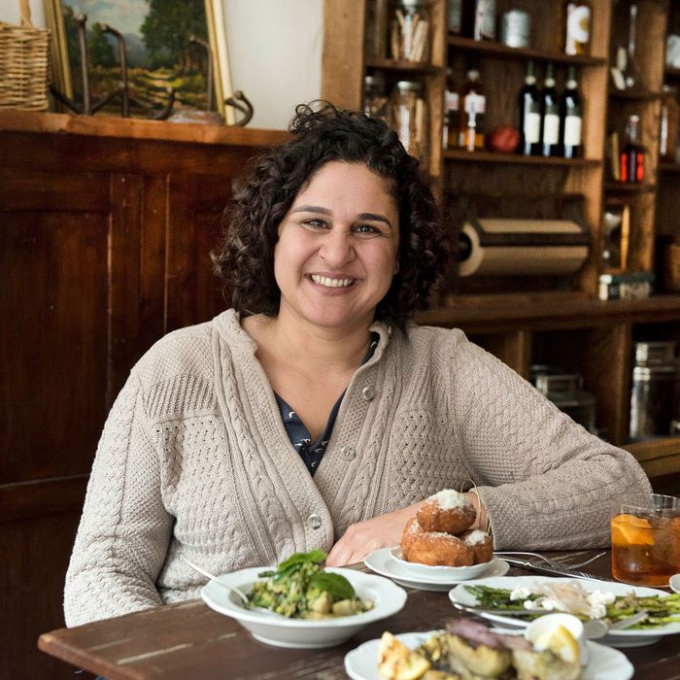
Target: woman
[314,414]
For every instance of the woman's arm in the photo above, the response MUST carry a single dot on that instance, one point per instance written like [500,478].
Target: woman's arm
[125,529]
[545,481]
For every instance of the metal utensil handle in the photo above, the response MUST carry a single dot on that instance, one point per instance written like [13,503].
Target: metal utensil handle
[552,568]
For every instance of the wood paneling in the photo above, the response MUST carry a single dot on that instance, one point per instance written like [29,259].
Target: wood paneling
[104,247]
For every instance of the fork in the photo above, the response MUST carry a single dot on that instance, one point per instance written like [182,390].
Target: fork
[571,565]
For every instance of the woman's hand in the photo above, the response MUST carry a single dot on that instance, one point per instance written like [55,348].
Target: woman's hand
[363,538]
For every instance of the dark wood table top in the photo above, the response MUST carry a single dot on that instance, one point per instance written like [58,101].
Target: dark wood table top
[189,640]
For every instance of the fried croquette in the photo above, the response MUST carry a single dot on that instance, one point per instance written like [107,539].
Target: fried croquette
[411,530]
[480,543]
[447,511]
[439,549]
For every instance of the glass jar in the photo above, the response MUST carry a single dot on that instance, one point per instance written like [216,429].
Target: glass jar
[410,30]
[375,99]
[564,390]
[655,391]
[670,121]
[409,118]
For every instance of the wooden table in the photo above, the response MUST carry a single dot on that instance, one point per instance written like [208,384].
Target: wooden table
[189,640]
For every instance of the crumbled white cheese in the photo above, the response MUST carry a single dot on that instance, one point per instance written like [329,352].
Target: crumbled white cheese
[449,499]
[475,537]
[520,593]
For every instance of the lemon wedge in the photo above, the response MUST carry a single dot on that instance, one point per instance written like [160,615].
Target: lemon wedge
[560,642]
[631,530]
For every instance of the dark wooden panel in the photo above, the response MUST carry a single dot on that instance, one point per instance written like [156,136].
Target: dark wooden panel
[193,291]
[30,500]
[35,556]
[53,346]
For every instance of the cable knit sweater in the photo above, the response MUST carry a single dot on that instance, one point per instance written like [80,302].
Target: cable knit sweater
[195,460]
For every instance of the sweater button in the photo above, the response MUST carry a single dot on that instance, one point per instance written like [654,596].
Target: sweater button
[348,452]
[314,521]
[367,393]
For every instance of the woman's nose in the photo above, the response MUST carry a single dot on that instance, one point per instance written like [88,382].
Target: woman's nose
[337,249]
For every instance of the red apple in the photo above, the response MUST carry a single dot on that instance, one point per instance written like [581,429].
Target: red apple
[503,139]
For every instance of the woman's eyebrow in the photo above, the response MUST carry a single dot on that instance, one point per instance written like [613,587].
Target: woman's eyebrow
[373,217]
[313,209]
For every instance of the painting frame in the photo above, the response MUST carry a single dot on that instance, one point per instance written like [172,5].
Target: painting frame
[61,68]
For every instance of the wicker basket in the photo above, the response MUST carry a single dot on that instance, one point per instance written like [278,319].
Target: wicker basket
[23,64]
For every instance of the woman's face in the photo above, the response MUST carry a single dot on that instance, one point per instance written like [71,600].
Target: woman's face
[337,248]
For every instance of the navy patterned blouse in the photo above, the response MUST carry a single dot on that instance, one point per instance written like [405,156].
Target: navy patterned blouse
[312,452]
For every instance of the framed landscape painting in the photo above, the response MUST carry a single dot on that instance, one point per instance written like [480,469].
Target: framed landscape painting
[159,51]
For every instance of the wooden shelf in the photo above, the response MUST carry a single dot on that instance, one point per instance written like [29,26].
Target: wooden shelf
[657,456]
[461,155]
[489,313]
[403,66]
[672,72]
[640,96]
[496,49]
[624,188]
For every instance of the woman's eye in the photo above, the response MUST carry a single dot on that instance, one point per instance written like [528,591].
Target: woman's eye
[315,223]
[367,229]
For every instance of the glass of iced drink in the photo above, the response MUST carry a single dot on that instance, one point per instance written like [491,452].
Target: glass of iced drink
[646,539]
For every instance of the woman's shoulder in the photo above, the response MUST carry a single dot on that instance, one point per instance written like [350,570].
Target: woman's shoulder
[183,352]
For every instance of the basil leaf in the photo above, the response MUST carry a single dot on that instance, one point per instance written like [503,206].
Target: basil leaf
[338,586]
[301,558]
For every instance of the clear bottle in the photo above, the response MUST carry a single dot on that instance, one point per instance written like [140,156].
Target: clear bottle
[575,26]
[472,111]
[530,115]
[550,115]
[454,17]
[632,77]
[451,113]
[485,20]
[409,118]
[375,99]
[670,121]
[410,30]
[571,118]
[632,156]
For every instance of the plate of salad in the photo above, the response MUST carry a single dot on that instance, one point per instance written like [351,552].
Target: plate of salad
[313,607]
[586,599]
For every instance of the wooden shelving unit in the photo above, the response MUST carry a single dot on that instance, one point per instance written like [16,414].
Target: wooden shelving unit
[525,320]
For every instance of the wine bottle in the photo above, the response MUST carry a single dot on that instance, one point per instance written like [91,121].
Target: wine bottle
[550,115]
[632,157]
[571,118]
[576,28]
[530,115]
[472,110]
[451,114]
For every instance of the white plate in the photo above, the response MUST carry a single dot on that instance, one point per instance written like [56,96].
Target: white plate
[616,638]
[439,574]
[303,633]
[605,663]
[382,562]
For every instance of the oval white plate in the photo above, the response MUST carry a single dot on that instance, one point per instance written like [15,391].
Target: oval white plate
[302,633]
[616,638]
[437,574]
[382,562]
[605,663]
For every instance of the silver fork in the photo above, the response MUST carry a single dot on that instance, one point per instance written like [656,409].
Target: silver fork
[572,565]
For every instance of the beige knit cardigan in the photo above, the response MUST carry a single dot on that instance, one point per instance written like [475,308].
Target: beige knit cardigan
[195,460]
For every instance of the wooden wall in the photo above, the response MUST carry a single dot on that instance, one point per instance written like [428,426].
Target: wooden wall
[104,247]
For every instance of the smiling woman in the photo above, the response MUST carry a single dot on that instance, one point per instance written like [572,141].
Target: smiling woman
[314,414]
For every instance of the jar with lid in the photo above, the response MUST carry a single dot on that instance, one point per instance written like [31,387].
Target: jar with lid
[655,390]
[564,390]
[408,117]
[375,98]
[670,120]
[410,30]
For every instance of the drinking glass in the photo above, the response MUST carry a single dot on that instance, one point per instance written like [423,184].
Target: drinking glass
[646,539]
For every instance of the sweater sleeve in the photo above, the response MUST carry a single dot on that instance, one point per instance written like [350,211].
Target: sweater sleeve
[125,529]
[545,481]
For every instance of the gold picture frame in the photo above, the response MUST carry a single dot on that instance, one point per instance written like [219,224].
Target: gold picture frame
[158,65]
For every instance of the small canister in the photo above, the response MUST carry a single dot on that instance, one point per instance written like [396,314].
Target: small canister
[375,99]
[515,28]
[409,118]
[410,30]
[564,390]
[655,390]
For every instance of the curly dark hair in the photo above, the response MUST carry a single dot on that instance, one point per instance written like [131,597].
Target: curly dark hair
[323,133]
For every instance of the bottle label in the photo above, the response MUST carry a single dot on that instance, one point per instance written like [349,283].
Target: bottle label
[572,131]
[551,129]
[532,128]
[451,101]
[475,103]
[578,25]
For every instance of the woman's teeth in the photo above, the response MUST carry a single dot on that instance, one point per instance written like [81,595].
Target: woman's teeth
[331,283]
